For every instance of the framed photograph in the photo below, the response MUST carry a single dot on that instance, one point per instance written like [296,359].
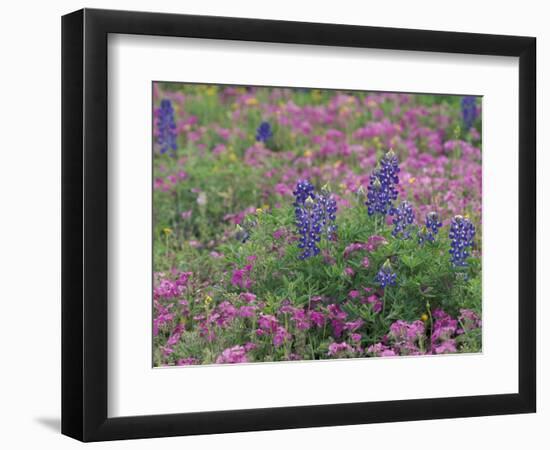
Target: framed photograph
[273,225]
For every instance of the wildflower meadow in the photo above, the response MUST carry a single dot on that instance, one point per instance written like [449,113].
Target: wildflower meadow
[305,224]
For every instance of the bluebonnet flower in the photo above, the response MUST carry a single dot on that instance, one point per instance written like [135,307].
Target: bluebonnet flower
[461,234]
[402,220]
[469,111]
[309,223]
[431,228]
[304,189]
[382,191]
[386,276]
[263,133]
[315,214]
[328,205]
[166,127]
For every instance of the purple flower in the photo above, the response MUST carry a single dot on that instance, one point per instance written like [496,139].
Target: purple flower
[445,328]
[386,276]
[247,311]
[166,128]
[233,355]
[328,207]
[241,277]
[461,234]
[375,241]
[431,229]
[403,218]
[355,325]
[309,222]
[469,111]
[336,349]
[280,336]
[263,133]
[304,189]
[380,349]
[248,297]
[382,189]
[268,322]
[351,248]
[186,214]
[469,319]
[448,346]
[187,361]
[315,214]
[348,271]
[317,318]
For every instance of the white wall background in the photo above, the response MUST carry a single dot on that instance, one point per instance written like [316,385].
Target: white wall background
[30,221]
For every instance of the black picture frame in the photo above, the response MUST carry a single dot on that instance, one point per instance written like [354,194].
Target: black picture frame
[84,224]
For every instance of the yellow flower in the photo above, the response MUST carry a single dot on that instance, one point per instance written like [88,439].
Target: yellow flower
[308,153]
[167,231]
[232,157]
[252,101]
[265,207]
[412,180]
[342,186]
[259,211]
[208,299]
[343,110]
[424,317]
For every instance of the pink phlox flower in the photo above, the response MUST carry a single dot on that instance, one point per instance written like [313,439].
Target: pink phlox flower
[283,189]
[355,325]
[335,312]
[351,248]
[247,311]
[281,336]
[444,326]
[375,241]
[186,214]
[317,318]
[233,355]
[223,315]
[337,348]
[299,317]
[469,319]
[268,322]
[241,277]
[380,349]
[448,346]
[349,272]
[248,297]
[279,233]
[187,361]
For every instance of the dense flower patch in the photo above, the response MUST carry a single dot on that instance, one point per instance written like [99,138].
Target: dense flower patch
[307,224]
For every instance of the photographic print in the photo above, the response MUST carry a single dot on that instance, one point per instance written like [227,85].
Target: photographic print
[300,224]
